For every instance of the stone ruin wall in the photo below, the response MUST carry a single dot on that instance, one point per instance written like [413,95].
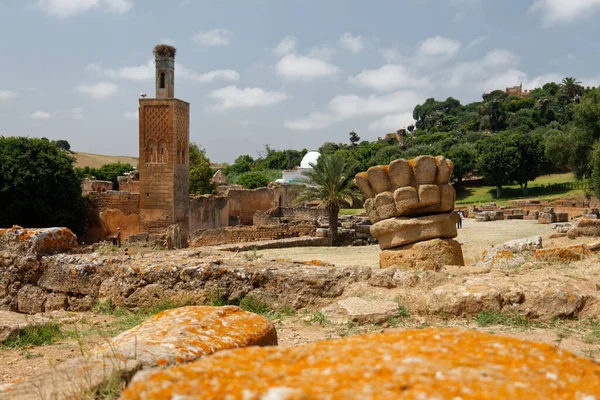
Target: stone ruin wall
[208,212]
[95,186]
[241,234]
[126,184]
[111,210]
[244,203]
[531,209]
[281,214]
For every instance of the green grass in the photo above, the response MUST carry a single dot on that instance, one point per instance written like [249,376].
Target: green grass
[250,304]
[40,335]
[352,211]
[318,318]
[538,189]
[488,318]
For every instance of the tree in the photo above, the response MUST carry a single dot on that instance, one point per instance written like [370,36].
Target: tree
[530,159]
[38,186]
[571,87]
[253,180]
[241,164]
[464,157]
[63,144]
[354,138]
[595,180]
[497,161]
[329,182]
[200,171]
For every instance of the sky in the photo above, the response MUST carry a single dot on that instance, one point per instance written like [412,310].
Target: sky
[292,74]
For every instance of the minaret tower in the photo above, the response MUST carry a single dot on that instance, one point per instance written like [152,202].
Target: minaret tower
[164,160]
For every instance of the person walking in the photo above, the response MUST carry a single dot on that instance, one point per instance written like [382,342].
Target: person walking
[118,237]
[460,218]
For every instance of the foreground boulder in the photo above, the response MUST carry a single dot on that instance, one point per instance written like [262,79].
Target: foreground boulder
[171,337]
[426,255]
[510,254]
[441,364]
[584,227]
[360,311]
[37,242]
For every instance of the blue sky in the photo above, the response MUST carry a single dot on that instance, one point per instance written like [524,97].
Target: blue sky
[289,73]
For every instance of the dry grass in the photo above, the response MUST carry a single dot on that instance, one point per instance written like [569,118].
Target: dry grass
[98,160]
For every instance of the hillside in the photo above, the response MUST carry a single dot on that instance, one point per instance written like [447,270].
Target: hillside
[98,160]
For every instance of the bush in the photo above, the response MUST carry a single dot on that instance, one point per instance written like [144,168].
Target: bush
[253,180]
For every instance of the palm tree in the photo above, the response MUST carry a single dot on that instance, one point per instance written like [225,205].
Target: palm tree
[330,182]
[571,87]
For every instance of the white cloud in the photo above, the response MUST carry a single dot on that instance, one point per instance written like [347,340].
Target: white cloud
[147,72]
[477,42]
[570,57]
[70,8]
[133,115]
[100,90]
[349,106]
[40,115]
[321,52]
[593,81]
[472,73]
[438,47]
[314,120]
[392,122]
[215,37]
[286,46]
[387,78]
[305,68]
[234,97]
[391,55]
[7,94]
[353,43]
[77,113]
[564,11]
[514,77]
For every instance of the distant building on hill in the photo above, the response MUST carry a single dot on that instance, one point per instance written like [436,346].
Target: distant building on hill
[297,175]
[518,91]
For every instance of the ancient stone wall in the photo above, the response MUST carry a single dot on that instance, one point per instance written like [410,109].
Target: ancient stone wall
[129,183]
[95,186]
[111,210]
[244,203]
[208,212]
[280,215]
[237,234]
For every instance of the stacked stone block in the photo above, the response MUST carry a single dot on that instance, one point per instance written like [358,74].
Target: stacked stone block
[411,202]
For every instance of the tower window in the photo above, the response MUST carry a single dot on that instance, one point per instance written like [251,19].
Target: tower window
[162,80]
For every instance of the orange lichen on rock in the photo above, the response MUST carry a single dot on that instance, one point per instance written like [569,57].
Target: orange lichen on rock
[569,253]
[441,364]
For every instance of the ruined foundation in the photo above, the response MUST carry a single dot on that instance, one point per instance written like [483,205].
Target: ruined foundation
[411,204]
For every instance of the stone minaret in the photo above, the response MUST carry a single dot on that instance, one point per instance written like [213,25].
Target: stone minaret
[165,71]
[164,160]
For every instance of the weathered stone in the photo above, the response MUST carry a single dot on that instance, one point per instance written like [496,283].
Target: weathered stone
[383,278]
[80,303]
[426,255]
[425,170]
[31,299]
[584,227]
[562,254]
[401,173]
[171,337]
[396,232]
[462,300]
[550,301]
[361,180]
[13,322]
[39,241]
[379,179]
[546,218]
[444,169]
[386,207]
[510,254]
[360,311]
[406,198]
[429,195]
[56,302]
[430,363]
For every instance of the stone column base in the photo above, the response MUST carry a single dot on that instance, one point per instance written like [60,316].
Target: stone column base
[426,255]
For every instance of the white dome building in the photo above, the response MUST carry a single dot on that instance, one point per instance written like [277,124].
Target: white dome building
[297,175]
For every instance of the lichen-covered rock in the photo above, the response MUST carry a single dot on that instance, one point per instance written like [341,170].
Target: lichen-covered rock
[426,255]
[396,232]
[31,299]
[584,227]
[171,337]
[12,322]
[38,241]
[428,364]
[562,254]
[510,254]
[360,311]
